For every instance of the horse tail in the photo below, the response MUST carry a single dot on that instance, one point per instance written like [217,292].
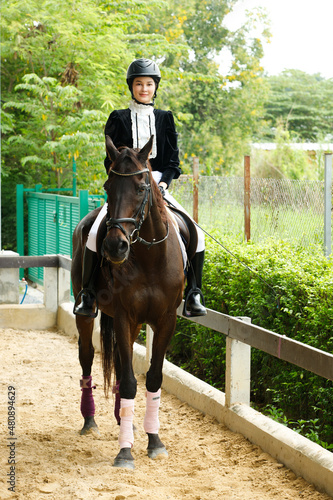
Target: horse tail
[108,343]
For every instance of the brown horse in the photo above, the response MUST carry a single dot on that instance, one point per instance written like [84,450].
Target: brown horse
[140,280]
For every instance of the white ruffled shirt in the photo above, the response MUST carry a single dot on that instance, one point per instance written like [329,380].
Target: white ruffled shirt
[143,125]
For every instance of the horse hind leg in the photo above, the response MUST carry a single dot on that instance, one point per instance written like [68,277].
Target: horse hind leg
[116,386]
[86,356]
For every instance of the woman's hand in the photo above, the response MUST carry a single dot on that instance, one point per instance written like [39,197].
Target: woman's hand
[162,187]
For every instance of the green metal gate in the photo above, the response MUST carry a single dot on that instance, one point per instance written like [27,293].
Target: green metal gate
[52,219]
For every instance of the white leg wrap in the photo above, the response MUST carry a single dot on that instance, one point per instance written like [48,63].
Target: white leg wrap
[151,422]
[126,435]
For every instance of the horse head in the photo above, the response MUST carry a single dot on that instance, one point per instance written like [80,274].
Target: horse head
[128,189]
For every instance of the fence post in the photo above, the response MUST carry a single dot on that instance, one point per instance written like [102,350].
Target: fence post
[64,285]
[83,203]
[247,198]
[51,289]
[19,219]
[74,175]
[238,371]
[195,188]
[20,223]
[328,204]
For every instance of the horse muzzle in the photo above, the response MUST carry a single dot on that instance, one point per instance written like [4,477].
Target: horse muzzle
[115,249]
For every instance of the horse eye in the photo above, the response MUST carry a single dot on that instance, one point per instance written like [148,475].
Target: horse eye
[140,189]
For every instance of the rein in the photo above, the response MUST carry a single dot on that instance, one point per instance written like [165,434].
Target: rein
[140,216]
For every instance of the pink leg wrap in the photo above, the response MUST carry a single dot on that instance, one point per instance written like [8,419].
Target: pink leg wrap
[151,422]
[87,400]
[126,435]
[117,401]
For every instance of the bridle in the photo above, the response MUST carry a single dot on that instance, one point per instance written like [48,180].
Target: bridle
[139,218]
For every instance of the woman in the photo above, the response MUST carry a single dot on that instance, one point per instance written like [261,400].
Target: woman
[132,127]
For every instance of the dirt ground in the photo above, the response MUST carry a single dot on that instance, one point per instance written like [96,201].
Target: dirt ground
[52,461]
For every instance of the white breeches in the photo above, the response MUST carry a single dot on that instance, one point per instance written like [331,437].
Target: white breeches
[92,237]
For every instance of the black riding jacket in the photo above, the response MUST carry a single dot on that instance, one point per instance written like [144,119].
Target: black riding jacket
[119,128]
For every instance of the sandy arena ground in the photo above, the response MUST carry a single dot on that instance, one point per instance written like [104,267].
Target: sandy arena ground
[206,460]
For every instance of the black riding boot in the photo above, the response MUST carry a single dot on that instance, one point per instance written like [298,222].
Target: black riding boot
[87,294]
[193,306]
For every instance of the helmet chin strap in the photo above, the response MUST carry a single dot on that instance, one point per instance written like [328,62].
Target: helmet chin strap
[143,103]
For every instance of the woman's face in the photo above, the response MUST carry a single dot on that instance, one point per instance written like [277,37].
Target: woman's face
[144,89]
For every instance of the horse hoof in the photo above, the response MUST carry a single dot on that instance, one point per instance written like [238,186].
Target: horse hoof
[90,430]
[124,464]
[157,453]
[124,459]
[90,427]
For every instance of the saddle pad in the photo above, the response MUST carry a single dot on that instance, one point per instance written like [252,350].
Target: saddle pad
[181,243]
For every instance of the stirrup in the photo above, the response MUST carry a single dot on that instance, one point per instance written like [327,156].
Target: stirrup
[193,291]
[76,304]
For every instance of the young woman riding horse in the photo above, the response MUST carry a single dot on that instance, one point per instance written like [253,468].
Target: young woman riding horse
[132,127]
[140,277]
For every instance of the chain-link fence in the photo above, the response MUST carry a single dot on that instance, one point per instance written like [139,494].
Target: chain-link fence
[291,210]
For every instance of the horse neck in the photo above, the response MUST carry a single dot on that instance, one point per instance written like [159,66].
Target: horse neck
[154,228]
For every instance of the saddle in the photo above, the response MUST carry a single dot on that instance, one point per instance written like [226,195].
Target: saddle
[185,224]
[187,230]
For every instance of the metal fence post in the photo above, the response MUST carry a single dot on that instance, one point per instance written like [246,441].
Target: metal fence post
[247,198]
[74,176]
[20,223]
[19,219]
[83,203]
[328,204]
[195,188]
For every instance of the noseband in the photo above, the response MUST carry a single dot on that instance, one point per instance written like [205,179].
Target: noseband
[140,216]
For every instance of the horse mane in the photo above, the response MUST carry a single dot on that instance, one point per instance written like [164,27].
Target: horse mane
[159,200]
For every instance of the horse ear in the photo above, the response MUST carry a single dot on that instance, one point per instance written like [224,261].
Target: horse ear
[111,149]
[146,150]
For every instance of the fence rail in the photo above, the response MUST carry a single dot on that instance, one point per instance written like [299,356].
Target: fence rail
[280,346]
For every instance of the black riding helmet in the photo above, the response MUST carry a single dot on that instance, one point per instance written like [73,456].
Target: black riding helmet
[143,67]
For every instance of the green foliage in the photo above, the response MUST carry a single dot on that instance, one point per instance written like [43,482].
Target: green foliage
[284,161]
[304,104]
[216,114]
[289,291]
[44,105]
[63,71]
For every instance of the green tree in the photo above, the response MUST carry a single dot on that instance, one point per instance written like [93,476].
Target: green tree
[216,114]
[303,102]
[63,72]
[52,126]
[284,161]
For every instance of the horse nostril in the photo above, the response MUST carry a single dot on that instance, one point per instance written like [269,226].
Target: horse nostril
[122,247]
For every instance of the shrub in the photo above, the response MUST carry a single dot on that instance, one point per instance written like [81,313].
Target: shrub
[289,291]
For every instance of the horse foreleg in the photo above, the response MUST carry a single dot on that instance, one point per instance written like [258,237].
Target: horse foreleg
[86,357]
[127,393]
[151,422]
[151,425]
